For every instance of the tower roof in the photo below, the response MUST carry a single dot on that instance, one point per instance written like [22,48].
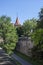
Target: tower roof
[17,22]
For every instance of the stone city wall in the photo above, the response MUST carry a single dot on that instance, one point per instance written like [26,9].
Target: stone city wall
[24,45]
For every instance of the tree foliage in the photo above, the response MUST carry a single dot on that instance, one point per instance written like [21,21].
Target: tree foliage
[20,30]
[8,33]
[37,36]
[40,21]
[29,26]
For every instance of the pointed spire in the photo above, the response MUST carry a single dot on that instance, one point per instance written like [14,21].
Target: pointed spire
[17,23]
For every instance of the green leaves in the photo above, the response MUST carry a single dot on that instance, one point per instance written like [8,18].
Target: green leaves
[37,36]
[29,25]
[8,33]
[40,21]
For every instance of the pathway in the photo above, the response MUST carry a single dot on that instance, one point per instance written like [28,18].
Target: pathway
[20,60]
[4,59]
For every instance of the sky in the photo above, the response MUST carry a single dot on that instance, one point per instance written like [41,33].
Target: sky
[23,9]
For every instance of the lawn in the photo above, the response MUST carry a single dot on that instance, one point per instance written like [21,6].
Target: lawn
[31,60]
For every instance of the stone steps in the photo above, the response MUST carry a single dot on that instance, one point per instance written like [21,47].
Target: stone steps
[4,59]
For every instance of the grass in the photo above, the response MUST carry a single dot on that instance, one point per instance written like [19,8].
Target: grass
[14,61]
[17,62]
[33,61]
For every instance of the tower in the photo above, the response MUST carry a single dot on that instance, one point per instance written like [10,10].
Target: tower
[17,23]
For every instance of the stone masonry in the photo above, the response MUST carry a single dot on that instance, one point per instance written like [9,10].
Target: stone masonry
[24,45]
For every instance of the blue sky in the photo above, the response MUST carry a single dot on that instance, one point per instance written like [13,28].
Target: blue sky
[24,9]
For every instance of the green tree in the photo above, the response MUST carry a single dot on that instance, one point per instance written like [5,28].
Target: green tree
[37,36]
[20,30]
[40,21]
[29,26]
[41,14]
[38,33]
[8,33]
